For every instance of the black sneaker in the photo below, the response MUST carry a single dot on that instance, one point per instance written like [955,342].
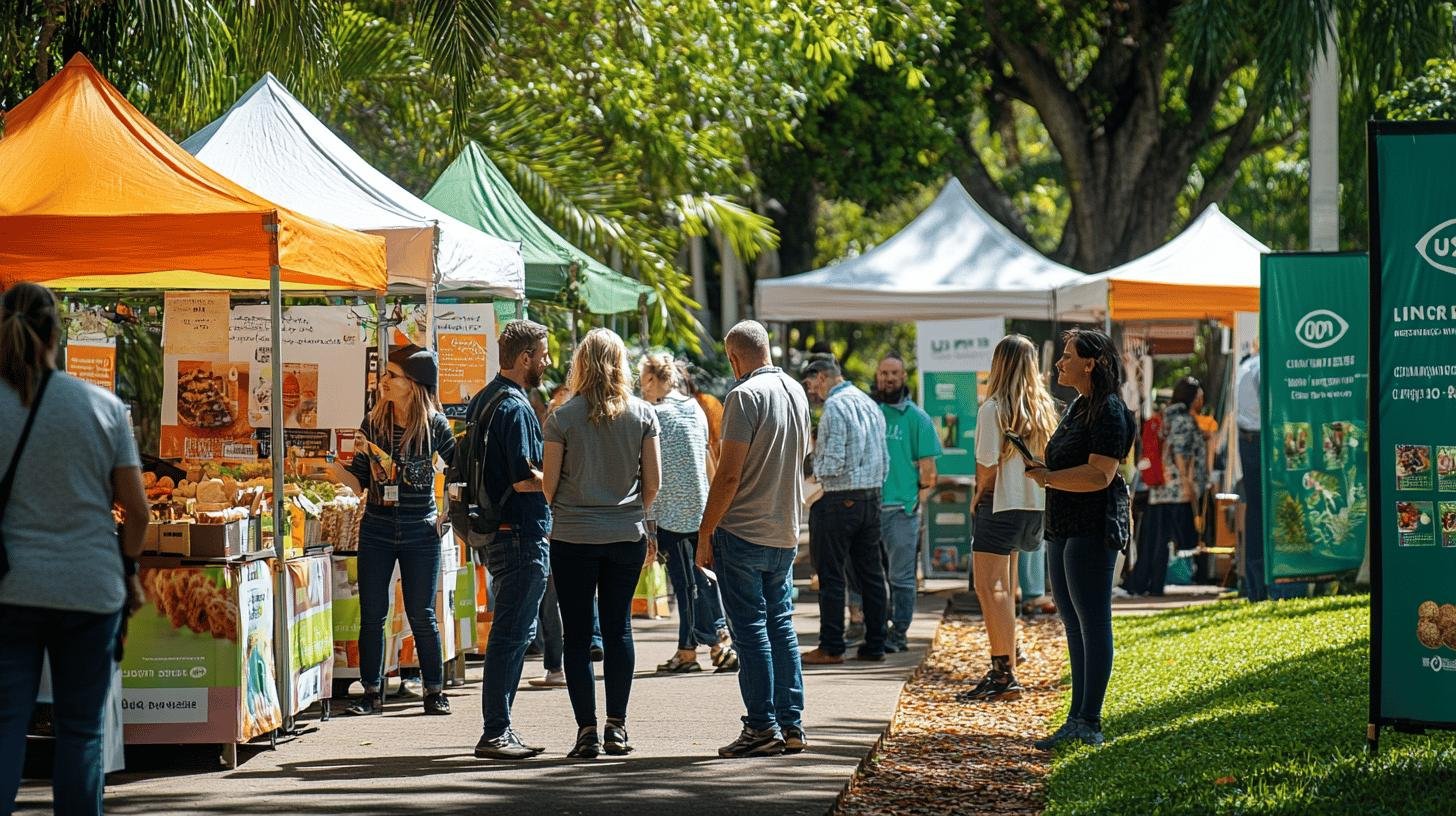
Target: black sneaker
[1059,736]
[597,655]
[794,740]
[615,741]
[365,704]
[869,657]
[505,746]
[437,703]
[588,744]
[995,686]
[752,743]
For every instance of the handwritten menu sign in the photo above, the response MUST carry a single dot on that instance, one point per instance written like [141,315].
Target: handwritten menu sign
[196,323]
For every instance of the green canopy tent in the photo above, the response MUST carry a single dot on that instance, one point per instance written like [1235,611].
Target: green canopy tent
[473,190]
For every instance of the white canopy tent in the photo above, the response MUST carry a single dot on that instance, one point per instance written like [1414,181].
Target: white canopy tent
[271,144]
[954,260]
[1209,272]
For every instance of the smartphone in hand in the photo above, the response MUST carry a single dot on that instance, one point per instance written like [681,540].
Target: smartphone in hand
[1020,445]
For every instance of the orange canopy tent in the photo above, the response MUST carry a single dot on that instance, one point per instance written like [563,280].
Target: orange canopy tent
[93,195]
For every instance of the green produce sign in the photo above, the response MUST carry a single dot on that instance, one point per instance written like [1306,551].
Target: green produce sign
[1314,350]
[950,400]
[1413,429]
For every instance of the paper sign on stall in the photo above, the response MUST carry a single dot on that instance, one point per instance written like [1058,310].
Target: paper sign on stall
[465,335]
[322,352]
[92,362]
[196,323]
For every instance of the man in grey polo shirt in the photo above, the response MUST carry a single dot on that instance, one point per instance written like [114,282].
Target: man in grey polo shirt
[750,534]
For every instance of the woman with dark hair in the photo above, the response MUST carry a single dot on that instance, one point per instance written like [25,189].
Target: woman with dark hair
[68,452]
[394,464]
[1087,520]
[1173,504]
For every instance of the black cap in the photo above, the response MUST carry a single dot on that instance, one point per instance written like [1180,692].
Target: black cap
[819,365]
[419,364]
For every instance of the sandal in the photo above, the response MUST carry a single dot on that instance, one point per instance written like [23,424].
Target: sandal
[676,665]
[726,660]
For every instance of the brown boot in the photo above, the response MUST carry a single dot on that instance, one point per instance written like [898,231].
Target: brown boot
[819,657]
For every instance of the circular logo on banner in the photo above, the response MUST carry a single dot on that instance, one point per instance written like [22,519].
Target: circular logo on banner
[1320,328]
[1440,243]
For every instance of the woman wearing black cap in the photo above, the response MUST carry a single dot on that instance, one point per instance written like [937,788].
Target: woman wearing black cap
[395,452]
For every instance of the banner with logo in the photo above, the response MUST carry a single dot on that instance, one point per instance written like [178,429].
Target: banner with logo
[1314,373]
[948,354]
[1413,479]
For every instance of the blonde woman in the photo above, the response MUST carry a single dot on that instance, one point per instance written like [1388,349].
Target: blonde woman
[1008,506]
[394,466]
[601,474]
[687,468]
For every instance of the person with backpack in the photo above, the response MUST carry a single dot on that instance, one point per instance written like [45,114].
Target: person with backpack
[500,465]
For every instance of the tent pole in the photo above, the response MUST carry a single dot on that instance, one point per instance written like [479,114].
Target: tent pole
[278,450]
[646,324]
[571,287]
[520,308]
[430,291]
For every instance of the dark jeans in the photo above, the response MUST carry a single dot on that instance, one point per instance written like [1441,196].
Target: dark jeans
[844,528]
[518,569]
[1255,588]
[609,573]
[757,584]
[551,642]
[699,609]
[384,540]
[82,652]
[1162,523]
[1081,573]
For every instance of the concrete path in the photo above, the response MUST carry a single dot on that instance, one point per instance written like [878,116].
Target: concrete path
[405,762]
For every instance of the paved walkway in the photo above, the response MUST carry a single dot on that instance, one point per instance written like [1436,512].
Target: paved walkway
[405,762]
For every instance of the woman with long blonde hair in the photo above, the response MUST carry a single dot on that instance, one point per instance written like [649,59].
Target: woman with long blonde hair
[601,474]
[1008,506]
[395,452]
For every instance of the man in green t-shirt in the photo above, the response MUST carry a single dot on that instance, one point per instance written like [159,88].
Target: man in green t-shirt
[914,445]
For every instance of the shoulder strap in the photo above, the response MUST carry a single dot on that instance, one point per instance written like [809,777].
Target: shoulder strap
[8,482]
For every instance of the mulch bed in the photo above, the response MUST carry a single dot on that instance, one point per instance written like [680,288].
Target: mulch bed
[940,756]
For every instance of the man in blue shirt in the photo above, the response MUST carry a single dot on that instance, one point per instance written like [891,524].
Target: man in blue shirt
[850,461]
[519,556]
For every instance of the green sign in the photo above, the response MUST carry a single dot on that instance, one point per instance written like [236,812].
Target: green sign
[1314,337]
[950,399]
[1413,428]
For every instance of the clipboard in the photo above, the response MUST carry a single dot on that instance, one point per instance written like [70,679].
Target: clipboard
[1021,447]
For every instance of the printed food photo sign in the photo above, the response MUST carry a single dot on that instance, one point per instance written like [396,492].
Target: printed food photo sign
[1412,315]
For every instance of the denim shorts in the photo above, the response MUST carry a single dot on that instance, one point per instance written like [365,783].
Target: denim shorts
[1007,531]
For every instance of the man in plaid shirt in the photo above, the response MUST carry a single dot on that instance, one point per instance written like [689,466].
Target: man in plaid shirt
[850,461]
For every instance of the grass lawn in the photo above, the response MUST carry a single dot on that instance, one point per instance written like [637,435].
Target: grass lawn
[1249,708]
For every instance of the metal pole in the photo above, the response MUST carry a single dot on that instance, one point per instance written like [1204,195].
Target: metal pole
[1324,145]
[571,278]
[646,324]
[521,309]
[282,654]
[430,291]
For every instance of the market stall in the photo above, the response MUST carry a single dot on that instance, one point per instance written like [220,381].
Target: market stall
[94,197]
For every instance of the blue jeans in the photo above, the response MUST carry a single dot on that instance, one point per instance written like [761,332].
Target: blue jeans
[1081,573]
[518,569]
[550,626]
[699,609]
[844,532]
[608,574]
[384,540]
[901,533]
[1031,572]
[757,585]
[82,648]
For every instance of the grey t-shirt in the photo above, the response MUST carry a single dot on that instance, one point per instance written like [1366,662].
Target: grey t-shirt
[58,529]
[599,497]
[768,411]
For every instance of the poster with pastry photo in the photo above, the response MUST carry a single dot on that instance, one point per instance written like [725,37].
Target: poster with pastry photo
[323,351]
[204,408]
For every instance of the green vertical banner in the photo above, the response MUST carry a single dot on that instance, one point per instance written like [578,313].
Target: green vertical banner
[949,397]
[1314,364]
[1413,427]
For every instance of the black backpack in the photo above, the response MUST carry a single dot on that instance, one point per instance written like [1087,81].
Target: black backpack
[475,513]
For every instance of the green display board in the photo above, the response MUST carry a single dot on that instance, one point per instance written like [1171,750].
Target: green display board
[1314,355]
[950,399]
[1413,428]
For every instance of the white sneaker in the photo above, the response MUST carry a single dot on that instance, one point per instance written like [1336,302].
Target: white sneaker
[1119,592]
[551,680]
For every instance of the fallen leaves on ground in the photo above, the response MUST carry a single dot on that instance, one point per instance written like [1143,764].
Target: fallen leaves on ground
[941,756]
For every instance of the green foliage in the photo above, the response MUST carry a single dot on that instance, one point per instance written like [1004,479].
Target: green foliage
[1432,95]
[1290,534]
[1335,513]
[1237,708]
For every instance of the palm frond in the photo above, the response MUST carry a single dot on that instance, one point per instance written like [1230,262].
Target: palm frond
[458,37]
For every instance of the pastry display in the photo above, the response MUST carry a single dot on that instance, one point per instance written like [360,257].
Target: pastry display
[187,597]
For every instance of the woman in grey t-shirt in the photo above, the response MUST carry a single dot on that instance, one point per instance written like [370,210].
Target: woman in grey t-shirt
[601,474]
[66,586]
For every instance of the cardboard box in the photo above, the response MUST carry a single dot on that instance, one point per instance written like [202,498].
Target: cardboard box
[175,538]
[153,536]
[218,540]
